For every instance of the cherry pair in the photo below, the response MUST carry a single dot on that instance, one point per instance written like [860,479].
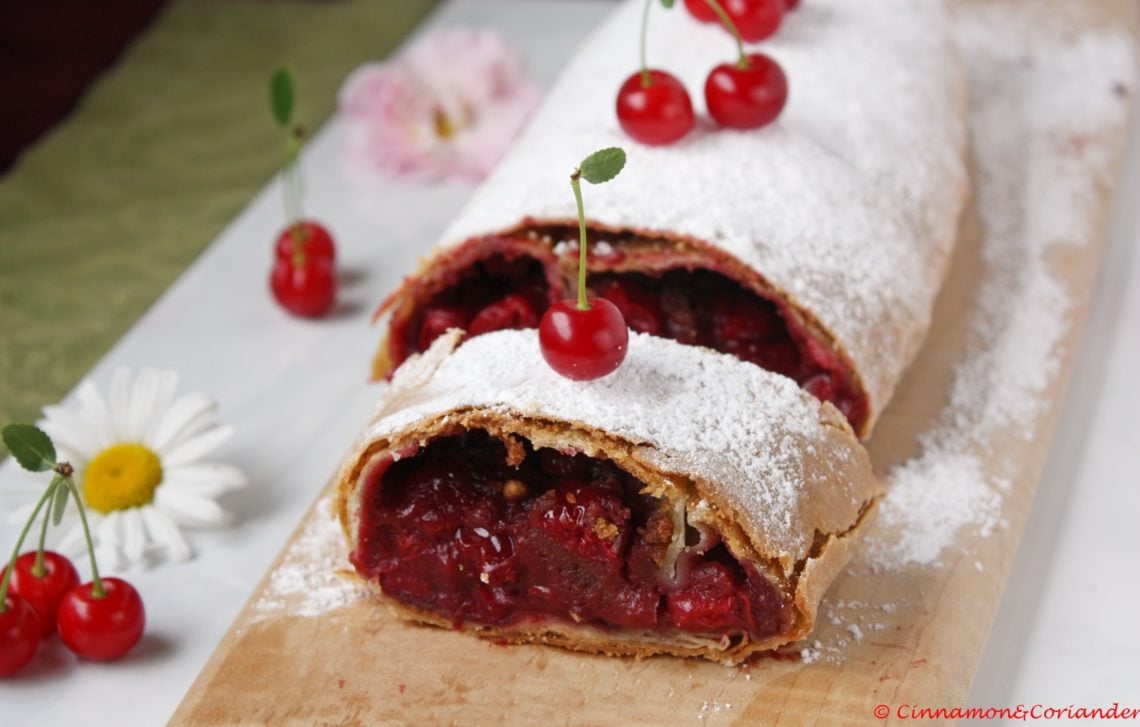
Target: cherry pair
[743,95]
[40,590]
[44,594]
[654,107]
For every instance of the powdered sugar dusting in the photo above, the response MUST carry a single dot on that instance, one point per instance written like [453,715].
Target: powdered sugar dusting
[706,414]
[848,202]
[1047,105]
[308,581]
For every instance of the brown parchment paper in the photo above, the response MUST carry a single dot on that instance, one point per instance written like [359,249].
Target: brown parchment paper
[923,627]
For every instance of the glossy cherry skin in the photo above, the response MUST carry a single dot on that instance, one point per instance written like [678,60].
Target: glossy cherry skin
[755,20]
[659,113]
[700,10]
[43,594]
[19,634]
[583,344]
[746,98]
[307,290]
[102,629]
[317,241]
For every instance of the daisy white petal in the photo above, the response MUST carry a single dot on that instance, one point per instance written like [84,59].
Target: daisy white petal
[120,403]
[167,388]
[197,446]
[96,412]
[223,476]
[134,535]
[165,533]
[109,530]
[186,508]
[69,430]
[72,543]
[143,397]
[187,414]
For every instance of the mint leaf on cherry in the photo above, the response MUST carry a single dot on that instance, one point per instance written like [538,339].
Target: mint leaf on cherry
[32,448]
[603,165]
[282,96]
[667,4]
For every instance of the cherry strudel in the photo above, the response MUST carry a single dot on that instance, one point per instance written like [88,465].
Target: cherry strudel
[814,247]
[689,503]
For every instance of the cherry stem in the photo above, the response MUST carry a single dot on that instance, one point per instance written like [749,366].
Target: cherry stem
[97,590]
[38,569]
[576,184]
[16,550]
[646,79]
[742,62]
[291,180]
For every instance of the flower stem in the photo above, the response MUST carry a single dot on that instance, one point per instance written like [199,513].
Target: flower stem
[38,569]
[16,550]
[97,590]
[742,61]
[646,79]
[576,185]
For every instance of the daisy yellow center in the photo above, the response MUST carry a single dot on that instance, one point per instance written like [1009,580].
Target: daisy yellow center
[122,476]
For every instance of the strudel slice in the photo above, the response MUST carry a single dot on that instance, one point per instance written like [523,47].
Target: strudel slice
[688,504]
[813,247]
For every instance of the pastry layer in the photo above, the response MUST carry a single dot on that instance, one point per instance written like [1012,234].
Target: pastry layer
[846,208]
[776,479]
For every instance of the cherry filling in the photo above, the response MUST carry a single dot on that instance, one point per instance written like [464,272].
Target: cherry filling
[511,288]
[458,532]
[498,292]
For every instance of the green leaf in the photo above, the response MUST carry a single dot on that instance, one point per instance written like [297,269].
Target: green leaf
[603,165]
[59,499]
[281,95]
[666,4]
[30,446]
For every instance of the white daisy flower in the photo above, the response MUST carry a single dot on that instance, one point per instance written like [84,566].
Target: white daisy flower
[137,458]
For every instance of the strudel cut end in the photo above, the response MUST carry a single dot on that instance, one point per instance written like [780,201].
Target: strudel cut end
[688,504]
[814,247]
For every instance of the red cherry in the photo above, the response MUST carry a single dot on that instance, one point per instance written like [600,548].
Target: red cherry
[701,10]
[746,98]
[659,113]
[102,629]
[791,4]
[43,593]
[19,634]
[583,344]
[307,290]
[755,20]
[513,311]
[437,320]
[317,241]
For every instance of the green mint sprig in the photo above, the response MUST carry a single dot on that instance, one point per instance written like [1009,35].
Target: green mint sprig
[282,104]
[601,166]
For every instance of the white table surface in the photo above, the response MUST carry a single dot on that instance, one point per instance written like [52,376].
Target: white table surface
[296,391]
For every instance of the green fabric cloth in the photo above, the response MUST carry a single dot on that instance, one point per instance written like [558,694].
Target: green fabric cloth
[105,212]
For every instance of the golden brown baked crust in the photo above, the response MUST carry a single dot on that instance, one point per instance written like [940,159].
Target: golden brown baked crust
[836,501]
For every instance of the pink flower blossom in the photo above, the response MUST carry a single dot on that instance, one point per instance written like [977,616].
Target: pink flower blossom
[448,106]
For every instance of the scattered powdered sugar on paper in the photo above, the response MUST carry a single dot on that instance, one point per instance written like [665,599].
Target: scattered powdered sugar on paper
[1046,105]
[308,581]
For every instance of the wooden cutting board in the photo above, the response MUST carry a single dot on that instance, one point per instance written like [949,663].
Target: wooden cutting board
[888,636]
